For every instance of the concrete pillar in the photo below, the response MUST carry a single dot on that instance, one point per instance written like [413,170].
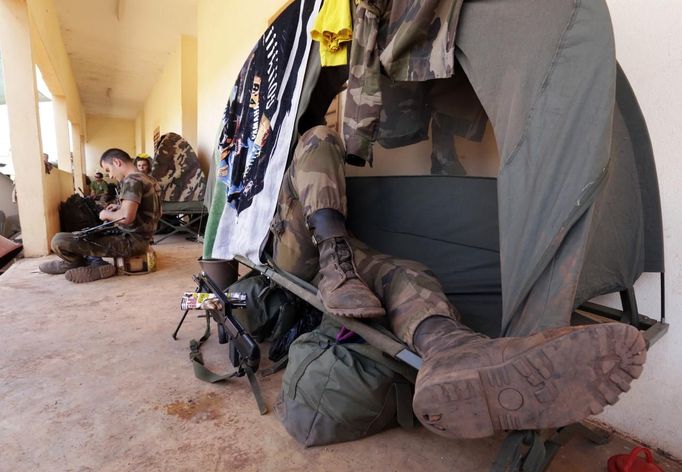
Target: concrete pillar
[85,160]
[140,134]
[78,158]
[188,84]
[61,127]
[24,124]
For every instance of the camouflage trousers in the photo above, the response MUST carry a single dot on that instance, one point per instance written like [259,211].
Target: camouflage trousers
[74,250]
[315,180]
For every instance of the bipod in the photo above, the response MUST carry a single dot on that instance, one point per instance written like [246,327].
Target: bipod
[243,351]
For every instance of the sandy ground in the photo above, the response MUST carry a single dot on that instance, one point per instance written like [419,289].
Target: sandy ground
[90,380]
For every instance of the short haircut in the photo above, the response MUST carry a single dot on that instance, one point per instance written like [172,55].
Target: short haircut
[112,153]
[99,174]
[142,159]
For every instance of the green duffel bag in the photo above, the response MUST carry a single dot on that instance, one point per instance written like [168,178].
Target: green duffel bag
[334,392]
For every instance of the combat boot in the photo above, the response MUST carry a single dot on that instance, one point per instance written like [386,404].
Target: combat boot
[58,266]
[470,385]
[90,273]
[340,288]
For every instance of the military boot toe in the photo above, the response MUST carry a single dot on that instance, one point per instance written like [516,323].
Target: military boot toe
[341,290]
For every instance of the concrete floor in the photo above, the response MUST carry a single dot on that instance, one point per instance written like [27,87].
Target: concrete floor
[90,380]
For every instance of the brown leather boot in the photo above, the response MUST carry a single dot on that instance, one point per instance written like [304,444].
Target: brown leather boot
[471,386]
[341,290]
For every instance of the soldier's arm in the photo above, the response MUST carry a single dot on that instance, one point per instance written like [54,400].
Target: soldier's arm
[125,213]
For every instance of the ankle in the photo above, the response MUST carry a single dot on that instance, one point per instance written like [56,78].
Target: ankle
[94,261]
[327,223]
[432,328]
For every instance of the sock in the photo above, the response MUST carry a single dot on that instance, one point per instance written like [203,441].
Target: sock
[94,261]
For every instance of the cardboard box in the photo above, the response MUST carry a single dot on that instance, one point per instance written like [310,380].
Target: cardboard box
[142,264]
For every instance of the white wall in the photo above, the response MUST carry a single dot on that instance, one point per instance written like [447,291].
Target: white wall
[649,48]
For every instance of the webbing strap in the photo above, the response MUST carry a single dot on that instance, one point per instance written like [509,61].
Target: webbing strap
[403,391]
[255,388]
[403,397]
[276,367]
[377,356]
[200,371]
[300,370]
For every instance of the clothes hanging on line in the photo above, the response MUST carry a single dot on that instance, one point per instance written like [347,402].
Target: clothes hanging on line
[258,128]
[334,30]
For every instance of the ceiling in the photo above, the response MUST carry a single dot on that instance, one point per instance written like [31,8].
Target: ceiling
[118,48]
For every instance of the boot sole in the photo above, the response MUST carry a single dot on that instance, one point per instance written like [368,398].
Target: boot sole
[356,312]
[551,385]
[86,274]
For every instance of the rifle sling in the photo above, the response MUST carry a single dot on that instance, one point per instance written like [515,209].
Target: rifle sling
[200,371]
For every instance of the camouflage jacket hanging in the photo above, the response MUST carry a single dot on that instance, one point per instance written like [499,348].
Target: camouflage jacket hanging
[394,41]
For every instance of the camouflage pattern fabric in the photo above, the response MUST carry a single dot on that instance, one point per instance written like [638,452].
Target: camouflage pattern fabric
[98,187]
[145,191]
[410,40]
[177,169]
[449,106]
[73,250]
[455,111]
[444,158]
[315,180]
[408,290]
[405,113]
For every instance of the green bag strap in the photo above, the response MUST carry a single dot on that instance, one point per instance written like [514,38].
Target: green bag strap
[276,367]
[200,371]
[300,370]
[377,356]
[403,391]
[403,401]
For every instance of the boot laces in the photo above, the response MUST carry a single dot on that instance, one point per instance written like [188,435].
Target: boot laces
[345,258]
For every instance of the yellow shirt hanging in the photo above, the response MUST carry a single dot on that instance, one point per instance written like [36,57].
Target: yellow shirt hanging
[333,29]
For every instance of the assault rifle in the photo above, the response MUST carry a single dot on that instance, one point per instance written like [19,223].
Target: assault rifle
[243,351]
[101,228]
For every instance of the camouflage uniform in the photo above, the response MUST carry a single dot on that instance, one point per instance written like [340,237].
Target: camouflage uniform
[316,180]
[134,239]
[411,41]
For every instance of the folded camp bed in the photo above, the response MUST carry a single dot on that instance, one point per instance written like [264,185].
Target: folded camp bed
[188,218]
